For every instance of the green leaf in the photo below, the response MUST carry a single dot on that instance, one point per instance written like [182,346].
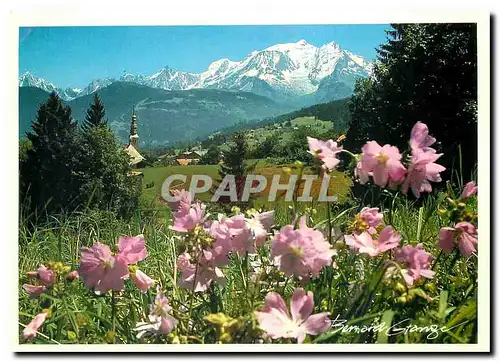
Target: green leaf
[443,302]
[420,219]
[387,320]
[466,312]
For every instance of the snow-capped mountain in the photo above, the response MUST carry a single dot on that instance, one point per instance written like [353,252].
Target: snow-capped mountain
[281,71]
[288,70]
[30,80]
[97,84]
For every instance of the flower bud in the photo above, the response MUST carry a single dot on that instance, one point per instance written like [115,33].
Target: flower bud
[400,288]
[451,202]
[226,338]
[71,336]
[110,337]
[430,287]
[401,300]
[72,276]
[298,164]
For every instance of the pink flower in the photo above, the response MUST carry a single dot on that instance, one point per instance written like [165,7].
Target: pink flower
[422,170]
[232,235]
[142,281]
[416,263]
[464,234]
[364,242]
[277,322]
[183,200]
[102,271]
[383,162]
[72,275]
[420,139]
[265,218]
[257,230]
[200,278]
[361,174]
[32,328]
[469,190]
[132,249]
[301,251]
[188,219]
[161,322]
[34,290]
[46,276]
[259,225]
[372,217]
[183,261]
[325,151]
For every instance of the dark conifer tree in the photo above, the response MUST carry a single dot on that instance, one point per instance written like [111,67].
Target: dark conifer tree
[234,163]
[95,114]
[47,172]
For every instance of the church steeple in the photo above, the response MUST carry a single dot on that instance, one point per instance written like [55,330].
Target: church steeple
[134,136]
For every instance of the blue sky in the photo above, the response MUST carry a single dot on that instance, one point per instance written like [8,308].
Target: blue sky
[73,56]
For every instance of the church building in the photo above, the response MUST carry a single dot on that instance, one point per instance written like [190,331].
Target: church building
[136,159]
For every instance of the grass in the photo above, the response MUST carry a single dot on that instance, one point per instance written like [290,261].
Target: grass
[353,286]
[349,289]
[151,197]
[157,175]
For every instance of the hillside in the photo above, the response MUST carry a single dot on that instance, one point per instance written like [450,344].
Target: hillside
[164,116]
[337,112]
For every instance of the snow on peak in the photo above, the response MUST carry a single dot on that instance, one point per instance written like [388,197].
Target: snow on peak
[288,69]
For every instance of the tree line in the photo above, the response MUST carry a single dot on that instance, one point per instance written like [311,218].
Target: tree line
[426,73]
[65,167]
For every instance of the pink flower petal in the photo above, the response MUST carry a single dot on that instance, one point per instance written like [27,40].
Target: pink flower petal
[302,304]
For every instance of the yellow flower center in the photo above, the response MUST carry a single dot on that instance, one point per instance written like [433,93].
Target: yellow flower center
[107,264]
[296,251]
[359,225]
[382,158]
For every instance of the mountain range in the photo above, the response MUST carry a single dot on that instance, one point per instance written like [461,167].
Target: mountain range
[298,73]
[173,105]
[164,116]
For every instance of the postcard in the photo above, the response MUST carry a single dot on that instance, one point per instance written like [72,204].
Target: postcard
[204,186]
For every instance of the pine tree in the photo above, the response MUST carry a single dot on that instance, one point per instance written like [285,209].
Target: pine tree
[234,163]
[212,157]
[47,173]
[234,158]
[95,114]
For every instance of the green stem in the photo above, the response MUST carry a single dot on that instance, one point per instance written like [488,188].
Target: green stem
[329,222]
[113,314]
[284,285]
[192,291]
[437,259]
[247,272]
[349,153]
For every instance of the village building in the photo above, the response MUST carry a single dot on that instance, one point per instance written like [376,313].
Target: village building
[190,157]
